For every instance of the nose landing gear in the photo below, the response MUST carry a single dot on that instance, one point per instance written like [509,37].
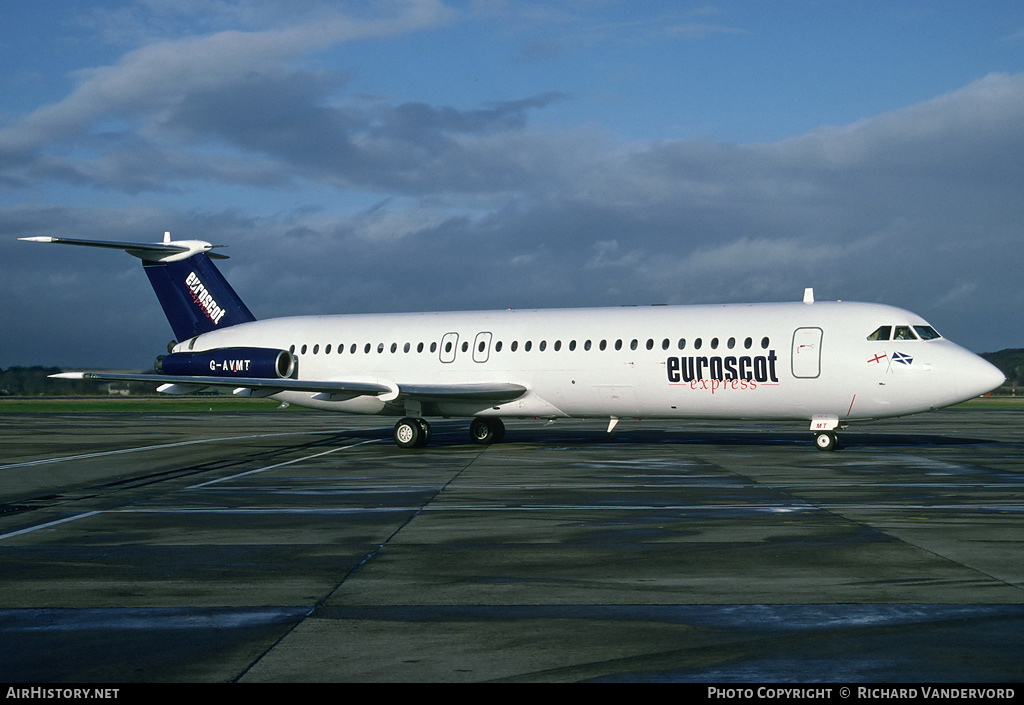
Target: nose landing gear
[826,440]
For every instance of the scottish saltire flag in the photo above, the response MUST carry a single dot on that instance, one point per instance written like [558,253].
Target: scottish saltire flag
[902,358]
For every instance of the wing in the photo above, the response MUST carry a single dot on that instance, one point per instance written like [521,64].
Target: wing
[496,393]
[183,384]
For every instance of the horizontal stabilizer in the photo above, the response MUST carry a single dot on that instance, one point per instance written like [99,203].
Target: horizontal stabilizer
[167,251]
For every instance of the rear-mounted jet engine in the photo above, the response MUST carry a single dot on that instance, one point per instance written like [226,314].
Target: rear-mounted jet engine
[229,362]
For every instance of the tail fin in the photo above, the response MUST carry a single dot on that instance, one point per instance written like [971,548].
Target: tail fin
[195,296]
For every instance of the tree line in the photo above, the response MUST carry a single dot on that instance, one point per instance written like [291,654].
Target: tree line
[1011,363]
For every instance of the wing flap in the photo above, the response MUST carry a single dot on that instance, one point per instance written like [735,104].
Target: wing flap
[493,393]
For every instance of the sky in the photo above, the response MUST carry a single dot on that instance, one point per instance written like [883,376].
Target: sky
[420,155]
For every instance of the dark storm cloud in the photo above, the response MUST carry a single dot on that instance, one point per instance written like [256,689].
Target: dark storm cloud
[411,147]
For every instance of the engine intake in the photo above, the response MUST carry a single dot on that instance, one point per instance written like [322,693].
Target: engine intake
[229,362]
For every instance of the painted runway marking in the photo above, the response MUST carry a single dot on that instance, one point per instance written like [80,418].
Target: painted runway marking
[47,525]
[280,465]
[171,445]
[180,444]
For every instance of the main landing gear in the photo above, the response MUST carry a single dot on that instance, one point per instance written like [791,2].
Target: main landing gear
[415,432]
[412,433]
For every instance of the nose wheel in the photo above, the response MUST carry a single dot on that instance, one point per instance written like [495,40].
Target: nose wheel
[826,440]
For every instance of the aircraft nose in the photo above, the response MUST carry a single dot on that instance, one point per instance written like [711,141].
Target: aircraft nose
[981,377]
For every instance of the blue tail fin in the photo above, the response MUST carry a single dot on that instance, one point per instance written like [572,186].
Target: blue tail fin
[195,296]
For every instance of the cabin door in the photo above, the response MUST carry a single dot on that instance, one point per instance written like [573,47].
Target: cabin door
[807,353]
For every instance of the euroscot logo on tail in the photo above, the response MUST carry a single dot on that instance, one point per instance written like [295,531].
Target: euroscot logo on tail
[204,299]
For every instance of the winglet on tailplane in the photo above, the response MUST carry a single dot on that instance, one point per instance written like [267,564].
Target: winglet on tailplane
[195,296]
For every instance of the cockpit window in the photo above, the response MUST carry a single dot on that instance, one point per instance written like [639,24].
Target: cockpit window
[882,333]
[904,333]
[927,332]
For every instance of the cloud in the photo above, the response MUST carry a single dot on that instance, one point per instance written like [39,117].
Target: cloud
[141,92]
[445,207]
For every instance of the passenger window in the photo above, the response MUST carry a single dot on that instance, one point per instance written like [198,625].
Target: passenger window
[927,332]
[904,333]
[882,333]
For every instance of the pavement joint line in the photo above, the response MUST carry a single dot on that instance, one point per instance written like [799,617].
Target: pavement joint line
[366,559]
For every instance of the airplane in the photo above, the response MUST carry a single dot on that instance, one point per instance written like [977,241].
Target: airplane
[826,363]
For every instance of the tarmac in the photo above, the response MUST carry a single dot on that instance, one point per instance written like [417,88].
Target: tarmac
[296,546]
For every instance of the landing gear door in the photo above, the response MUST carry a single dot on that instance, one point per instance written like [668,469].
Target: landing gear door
[807,353]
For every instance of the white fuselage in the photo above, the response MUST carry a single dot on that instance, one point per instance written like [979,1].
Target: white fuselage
[767,361]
